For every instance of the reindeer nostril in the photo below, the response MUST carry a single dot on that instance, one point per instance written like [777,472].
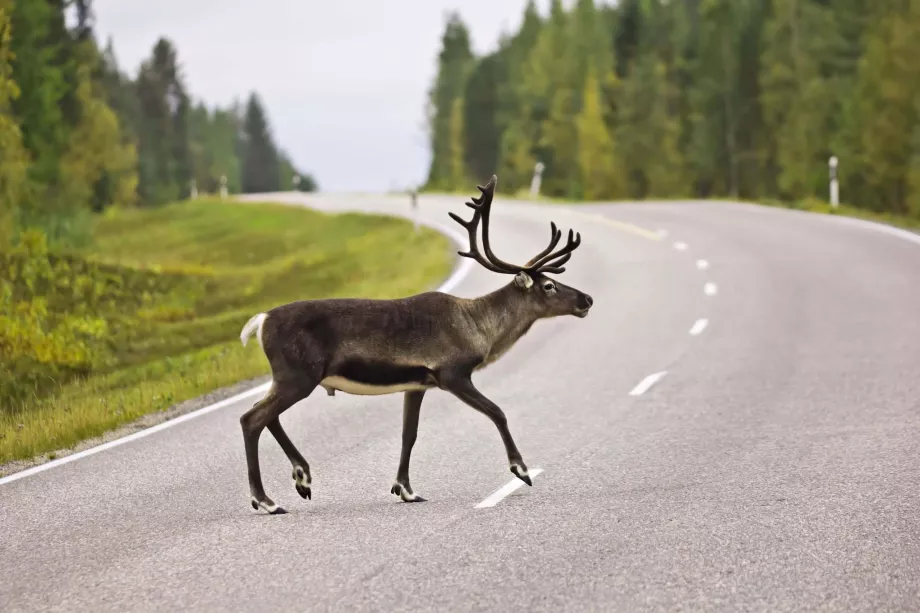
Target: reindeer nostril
[589,300]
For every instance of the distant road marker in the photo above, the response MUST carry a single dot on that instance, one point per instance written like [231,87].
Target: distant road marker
[647,383]
[680,246]
[502,492]
[702,264]
[710,289]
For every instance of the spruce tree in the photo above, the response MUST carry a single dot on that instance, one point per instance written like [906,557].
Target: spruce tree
[261,170]
[454,63]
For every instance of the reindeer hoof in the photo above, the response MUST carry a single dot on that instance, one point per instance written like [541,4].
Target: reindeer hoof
[302,483]
[268,506]
[521,473]
[405,494]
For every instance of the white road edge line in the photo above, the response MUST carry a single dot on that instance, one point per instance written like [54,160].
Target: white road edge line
[680,246]
[459,273]
[877,227]
[702,264]
[699,326]
[647,383]
[500,494]
[710,289]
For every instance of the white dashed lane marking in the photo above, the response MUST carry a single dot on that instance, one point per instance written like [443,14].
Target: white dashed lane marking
[502,492]
[699,326]
[647,383]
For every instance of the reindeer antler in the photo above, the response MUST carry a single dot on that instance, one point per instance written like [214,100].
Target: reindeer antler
[543,262]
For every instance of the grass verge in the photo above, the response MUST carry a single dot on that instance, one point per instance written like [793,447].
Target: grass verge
[171,287]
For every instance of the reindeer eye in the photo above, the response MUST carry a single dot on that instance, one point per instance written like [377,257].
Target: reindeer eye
[549,286]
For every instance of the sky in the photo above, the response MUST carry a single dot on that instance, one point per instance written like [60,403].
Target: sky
[344,82]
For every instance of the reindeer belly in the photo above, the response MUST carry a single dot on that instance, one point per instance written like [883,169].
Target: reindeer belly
[369,378]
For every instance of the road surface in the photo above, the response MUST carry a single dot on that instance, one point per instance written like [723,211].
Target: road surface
[734,427]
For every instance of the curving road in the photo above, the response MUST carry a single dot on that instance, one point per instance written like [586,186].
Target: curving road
[734,427]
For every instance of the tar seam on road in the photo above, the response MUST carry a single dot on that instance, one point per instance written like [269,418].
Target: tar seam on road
[506,489]
[710,289]
[699,326]
[458,275]
[647,383]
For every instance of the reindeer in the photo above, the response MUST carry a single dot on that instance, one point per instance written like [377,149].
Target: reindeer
[408,345]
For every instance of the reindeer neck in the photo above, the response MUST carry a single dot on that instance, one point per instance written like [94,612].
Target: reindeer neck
[501,317]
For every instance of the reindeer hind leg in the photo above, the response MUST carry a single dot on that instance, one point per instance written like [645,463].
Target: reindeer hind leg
[264,414]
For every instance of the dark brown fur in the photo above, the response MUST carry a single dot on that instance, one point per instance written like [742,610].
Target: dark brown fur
[428,340]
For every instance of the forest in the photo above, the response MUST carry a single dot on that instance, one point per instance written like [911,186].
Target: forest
[78,135]
[643,99]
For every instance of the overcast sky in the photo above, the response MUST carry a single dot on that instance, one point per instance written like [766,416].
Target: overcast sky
[344,81]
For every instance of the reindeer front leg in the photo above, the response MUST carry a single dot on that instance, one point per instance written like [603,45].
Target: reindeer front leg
[461,386]
[412,405]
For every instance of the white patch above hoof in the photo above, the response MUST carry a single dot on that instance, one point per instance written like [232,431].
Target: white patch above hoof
[521,473]
[301,477]
[404,494]
[269,507]
[519,470]
[407,497]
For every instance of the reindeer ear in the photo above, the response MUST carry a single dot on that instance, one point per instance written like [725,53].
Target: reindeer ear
[523,280]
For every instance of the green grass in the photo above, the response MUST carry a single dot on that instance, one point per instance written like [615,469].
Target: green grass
[171,287]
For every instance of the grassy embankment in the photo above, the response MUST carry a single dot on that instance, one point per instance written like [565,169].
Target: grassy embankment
[149,315]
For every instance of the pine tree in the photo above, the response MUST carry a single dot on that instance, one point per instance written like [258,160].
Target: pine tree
[481,115]
[665,174]
[454,63]
[797,99]
[887,90]
[648,132]
[98,166]
[515,118]
[457,159]
[545,119]
[38,46]
[717,100]
[165,165]
[600,173]
[261,170]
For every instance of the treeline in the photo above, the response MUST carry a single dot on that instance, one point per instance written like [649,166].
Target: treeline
[78,135]
[688,98]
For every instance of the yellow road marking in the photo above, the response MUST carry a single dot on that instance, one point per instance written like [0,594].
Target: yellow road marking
[620,225]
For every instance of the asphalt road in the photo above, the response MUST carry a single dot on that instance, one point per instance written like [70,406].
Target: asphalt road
[773,466]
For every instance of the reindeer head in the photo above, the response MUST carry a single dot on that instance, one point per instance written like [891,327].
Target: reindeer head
[546,297]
